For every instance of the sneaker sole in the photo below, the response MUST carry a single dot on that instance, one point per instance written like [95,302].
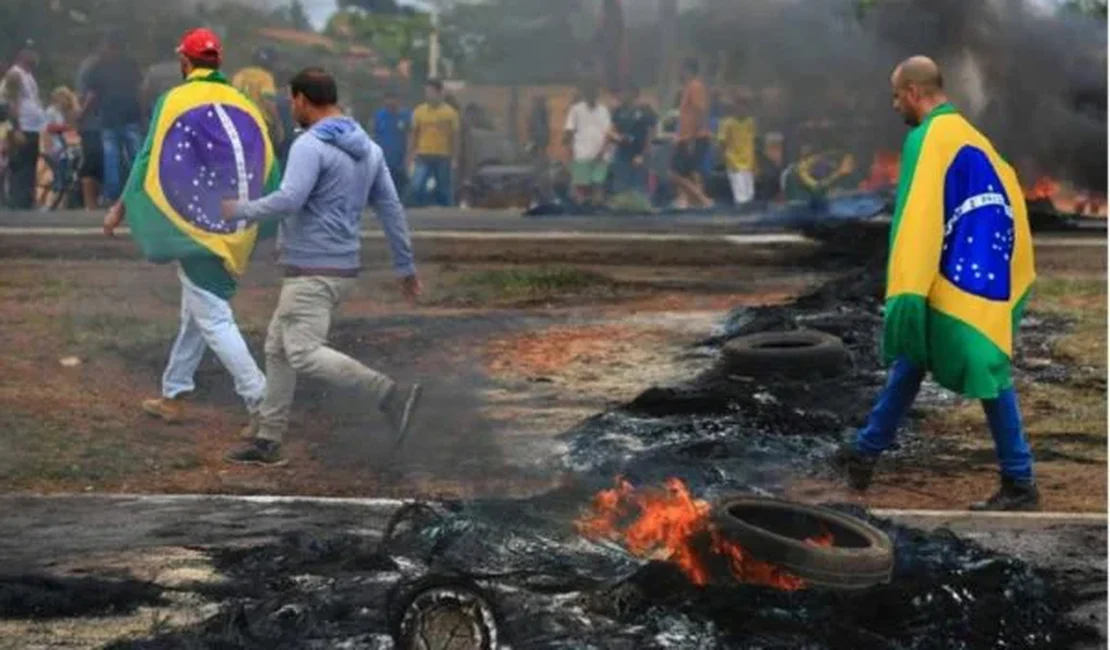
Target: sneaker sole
[411,403]
[257,463]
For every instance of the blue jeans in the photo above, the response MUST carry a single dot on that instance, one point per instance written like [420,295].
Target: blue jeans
[207,322]
[121,144]
[1003,417]
[628,177]
[428,168]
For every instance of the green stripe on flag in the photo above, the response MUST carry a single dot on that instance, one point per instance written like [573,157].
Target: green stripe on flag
[159,240]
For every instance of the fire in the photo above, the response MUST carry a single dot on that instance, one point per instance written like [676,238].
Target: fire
[1066,199]
[670,524]
[884,172]
[1044,188]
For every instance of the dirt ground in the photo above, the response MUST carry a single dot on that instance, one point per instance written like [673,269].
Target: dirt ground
[1066,420]
[513,355]
[516,348]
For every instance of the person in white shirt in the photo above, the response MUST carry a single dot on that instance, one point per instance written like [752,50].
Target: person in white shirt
[29,119]
[587,135]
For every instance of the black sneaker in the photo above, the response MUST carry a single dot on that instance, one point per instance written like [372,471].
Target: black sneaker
[1012,496]
[858,468]
[399,408]
[258,451]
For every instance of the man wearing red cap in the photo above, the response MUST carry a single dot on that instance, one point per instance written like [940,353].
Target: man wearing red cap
[206,142]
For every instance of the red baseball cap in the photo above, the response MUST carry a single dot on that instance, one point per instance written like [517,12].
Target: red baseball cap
[202,44]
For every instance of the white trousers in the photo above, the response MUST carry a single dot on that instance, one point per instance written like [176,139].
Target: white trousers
[743,186]
[207,322]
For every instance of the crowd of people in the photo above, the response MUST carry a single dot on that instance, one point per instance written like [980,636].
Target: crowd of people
[78,147]
[712,150]
[90,133]
[721,148]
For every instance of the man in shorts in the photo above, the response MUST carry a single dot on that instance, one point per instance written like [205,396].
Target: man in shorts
[92,149]
[692,143]
[587,135]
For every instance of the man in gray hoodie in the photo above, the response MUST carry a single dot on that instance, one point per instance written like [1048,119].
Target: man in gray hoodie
[334,171]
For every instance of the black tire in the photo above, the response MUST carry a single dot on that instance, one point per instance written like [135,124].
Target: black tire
[792,354]
[443,613]
[774,531]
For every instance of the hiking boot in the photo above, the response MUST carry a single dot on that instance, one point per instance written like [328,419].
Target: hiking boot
[169,410]
[858,468]
[399,407]
[1013,496]
[258,451]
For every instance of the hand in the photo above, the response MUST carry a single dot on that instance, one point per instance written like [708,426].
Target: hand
[638,161]
[113,219]
[228,208]
[411,288]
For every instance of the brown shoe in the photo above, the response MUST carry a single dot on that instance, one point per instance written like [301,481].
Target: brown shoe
[170,411]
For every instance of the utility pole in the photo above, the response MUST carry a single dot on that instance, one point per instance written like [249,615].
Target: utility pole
[668,30]
[433,46]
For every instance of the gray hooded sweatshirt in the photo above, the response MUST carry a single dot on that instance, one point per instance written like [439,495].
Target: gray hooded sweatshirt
[334,171]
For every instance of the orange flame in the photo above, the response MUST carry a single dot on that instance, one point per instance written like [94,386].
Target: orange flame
[1044,188]
[1066,199]
[884,172]
[668,524]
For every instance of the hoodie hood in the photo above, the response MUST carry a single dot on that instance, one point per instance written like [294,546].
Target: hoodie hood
[344,134]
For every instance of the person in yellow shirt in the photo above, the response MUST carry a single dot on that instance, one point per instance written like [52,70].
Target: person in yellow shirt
[257,82]
[736,135]
[434,144]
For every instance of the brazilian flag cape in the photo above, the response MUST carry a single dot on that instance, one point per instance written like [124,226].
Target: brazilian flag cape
[961,258]
[207,142]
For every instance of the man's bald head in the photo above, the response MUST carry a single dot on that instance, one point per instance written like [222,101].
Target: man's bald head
[917,88]
[920,71]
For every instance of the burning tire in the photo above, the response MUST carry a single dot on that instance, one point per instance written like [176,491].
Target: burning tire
[852,554]
[439,613]
[792,354]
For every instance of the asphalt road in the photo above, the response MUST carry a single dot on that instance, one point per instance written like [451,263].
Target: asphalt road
[42,531]
[469,221]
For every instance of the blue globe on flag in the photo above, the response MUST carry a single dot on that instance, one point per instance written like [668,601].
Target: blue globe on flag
[978,228]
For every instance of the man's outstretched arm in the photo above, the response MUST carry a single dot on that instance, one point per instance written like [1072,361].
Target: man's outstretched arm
[300,177]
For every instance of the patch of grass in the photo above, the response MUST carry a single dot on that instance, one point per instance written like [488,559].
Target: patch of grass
[39,288]
[533,283]
[37,452]
[1065,421]
[115,332]
[1053,289]
[1083,300]
[40,450]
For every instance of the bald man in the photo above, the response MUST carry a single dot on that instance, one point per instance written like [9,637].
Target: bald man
[959,274]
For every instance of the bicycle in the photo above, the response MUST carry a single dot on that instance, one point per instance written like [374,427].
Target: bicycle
[66,194]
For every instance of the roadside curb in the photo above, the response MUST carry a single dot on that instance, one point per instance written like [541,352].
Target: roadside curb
[755,239]
[933,517]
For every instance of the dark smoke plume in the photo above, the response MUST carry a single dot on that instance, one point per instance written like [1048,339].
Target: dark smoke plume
[1032,80]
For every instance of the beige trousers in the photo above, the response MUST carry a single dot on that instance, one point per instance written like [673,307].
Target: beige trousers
[297,344]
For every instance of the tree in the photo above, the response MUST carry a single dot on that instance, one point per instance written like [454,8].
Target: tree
[298,17]
[372,6]
[516,41]
[395,37]
[1086,7]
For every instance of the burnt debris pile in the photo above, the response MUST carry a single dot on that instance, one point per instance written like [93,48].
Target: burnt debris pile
[53,597]
[464,572]
[726,431]
[723,430]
